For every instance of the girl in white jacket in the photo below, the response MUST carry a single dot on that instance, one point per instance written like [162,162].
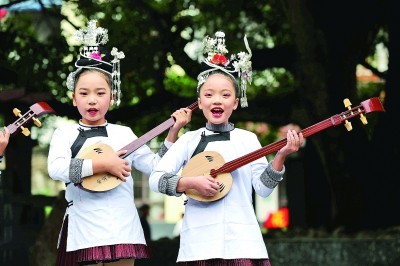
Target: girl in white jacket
[224,231]
[100,228]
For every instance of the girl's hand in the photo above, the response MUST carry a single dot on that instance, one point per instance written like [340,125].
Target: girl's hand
[117,166]
[182,118]
[294,142]
[4,137]
[205,185]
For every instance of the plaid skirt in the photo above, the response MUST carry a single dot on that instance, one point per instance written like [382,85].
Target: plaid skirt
[97,254]
[223,262]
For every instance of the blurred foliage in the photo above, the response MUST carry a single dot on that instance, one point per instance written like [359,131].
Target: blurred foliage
[156,37]
[304,62]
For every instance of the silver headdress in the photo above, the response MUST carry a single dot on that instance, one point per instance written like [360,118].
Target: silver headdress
[93,56]
[238,66]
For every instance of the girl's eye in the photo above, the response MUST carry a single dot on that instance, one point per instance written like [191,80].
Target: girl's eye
[207,94]
[83,93]
[226,94]
[101,93]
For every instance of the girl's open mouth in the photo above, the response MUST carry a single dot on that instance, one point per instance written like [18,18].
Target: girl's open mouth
[92,112]
[217,112]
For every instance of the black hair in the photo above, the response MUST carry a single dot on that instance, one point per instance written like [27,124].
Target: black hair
[144,207]
[103,66]
[85,70]
[235,83]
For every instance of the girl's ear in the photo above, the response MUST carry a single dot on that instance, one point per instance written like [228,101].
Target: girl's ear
[112,100]
[73,99]
[199,102]
[236,103]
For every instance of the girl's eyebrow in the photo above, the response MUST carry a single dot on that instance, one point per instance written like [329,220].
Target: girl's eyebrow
[97,89]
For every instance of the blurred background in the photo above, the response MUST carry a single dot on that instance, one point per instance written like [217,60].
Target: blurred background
[308,56]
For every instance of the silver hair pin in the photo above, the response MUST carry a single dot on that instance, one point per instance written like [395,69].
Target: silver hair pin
[92,37]
[238,66]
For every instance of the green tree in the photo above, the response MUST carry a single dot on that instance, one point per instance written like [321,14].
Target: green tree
[305,55]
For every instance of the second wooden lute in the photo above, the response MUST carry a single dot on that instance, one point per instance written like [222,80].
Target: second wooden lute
[211,163]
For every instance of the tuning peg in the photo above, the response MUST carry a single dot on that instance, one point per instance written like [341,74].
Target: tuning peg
[347,103]
[25,131]
[36,122]
[17,112]
[347,124]
[363,119]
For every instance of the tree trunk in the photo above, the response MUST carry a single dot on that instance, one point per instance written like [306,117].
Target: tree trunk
[382,189]
[328,54]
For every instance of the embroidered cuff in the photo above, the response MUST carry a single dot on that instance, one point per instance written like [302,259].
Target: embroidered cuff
[163,149]
[168,183]
[75,170]
[270,177]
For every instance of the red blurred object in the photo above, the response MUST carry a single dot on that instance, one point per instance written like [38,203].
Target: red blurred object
[219,59]
[278,219]
[3,13]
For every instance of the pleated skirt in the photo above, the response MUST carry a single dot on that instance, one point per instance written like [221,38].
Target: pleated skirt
[97,254]
[222,262]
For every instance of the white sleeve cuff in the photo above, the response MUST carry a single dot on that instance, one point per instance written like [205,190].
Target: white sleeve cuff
[87,167]
[168,144]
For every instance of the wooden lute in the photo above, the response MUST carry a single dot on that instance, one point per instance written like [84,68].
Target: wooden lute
[36,110]
[211,163]
[104,181]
